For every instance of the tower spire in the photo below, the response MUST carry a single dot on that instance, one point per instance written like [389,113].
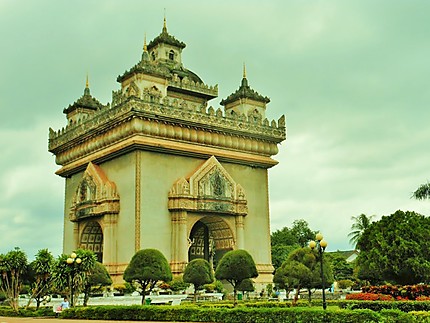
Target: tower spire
[145,55]
[164,24]
[87,87]
[244,80]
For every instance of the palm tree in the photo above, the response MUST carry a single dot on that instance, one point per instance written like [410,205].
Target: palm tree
[361,222]
[423,192]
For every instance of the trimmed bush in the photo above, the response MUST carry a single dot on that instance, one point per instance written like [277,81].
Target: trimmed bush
[30,312]
[224,315]
[404,306]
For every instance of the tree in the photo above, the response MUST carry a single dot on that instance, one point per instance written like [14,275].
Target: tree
[40,276]
[280,254]
[97,278]
[247,285]
[299,234]
[286,240]
[302,270]
[13,267]
[178,284]
[71,272]
[340,267]
[361,222]
[147,267]
[234,267]
[198,272]
[423,192]
[395,249]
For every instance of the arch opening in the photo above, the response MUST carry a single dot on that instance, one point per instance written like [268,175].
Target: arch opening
[210,239]
[92,239]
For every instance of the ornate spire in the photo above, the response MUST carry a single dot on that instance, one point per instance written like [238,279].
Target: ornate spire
[86,101]
[244,80]
[165,38]
[87,87]
[165,25]
[244,91]
[145,54]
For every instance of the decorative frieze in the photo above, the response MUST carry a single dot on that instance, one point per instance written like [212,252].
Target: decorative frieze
[169,119]
[194,87]
[210,189]
[95,196]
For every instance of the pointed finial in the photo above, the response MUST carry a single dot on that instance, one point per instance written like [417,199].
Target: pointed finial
[164,24]
[87,87]
[145,49]
[244,80]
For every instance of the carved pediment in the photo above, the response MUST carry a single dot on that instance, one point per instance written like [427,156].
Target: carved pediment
[181,187]
[212,181]
[211,189]
[95,195]
[133,90]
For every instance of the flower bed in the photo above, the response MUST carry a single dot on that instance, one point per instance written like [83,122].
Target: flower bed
[369,297]
[407,292]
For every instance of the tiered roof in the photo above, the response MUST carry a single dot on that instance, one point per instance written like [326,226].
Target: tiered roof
[86,101]
[245,92]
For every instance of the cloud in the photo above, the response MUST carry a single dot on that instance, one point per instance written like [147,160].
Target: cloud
[351,77]
[31,204]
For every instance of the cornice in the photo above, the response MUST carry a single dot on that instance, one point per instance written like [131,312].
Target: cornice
[160,145]
[170,111]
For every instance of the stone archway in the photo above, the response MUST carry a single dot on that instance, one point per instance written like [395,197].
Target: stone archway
[94,212]
[208,201]
[210,238]
[92,239]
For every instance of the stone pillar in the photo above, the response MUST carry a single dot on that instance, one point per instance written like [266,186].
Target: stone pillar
[240,236]
[174,242]
[183,238]
[110,239]
[76,241]
[179,252]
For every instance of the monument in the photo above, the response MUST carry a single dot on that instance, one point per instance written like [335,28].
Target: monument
[158,168]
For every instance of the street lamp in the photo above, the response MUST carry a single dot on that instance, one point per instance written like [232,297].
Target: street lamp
[320,244]
[73,261]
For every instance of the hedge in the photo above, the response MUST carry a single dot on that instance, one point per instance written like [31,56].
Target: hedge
[265,304]
[404,306]
[30,312]
[240,314]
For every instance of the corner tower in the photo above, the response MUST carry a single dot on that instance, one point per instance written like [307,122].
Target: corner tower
[158,168]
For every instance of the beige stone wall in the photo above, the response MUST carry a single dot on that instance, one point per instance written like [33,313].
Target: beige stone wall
[69,237]
[158,172]
[121,171]
[256,223]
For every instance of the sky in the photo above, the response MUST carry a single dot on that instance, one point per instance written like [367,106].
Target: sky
[352,78]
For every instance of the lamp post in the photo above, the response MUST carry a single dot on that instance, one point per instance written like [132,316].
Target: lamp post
[73,262]
[320,244]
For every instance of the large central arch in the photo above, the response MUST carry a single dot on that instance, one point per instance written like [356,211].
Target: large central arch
[210,238]
[207,215]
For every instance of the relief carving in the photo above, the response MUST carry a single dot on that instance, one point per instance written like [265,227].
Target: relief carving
[209,189]
[95,195]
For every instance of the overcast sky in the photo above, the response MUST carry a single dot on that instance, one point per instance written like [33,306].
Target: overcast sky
[352,78]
